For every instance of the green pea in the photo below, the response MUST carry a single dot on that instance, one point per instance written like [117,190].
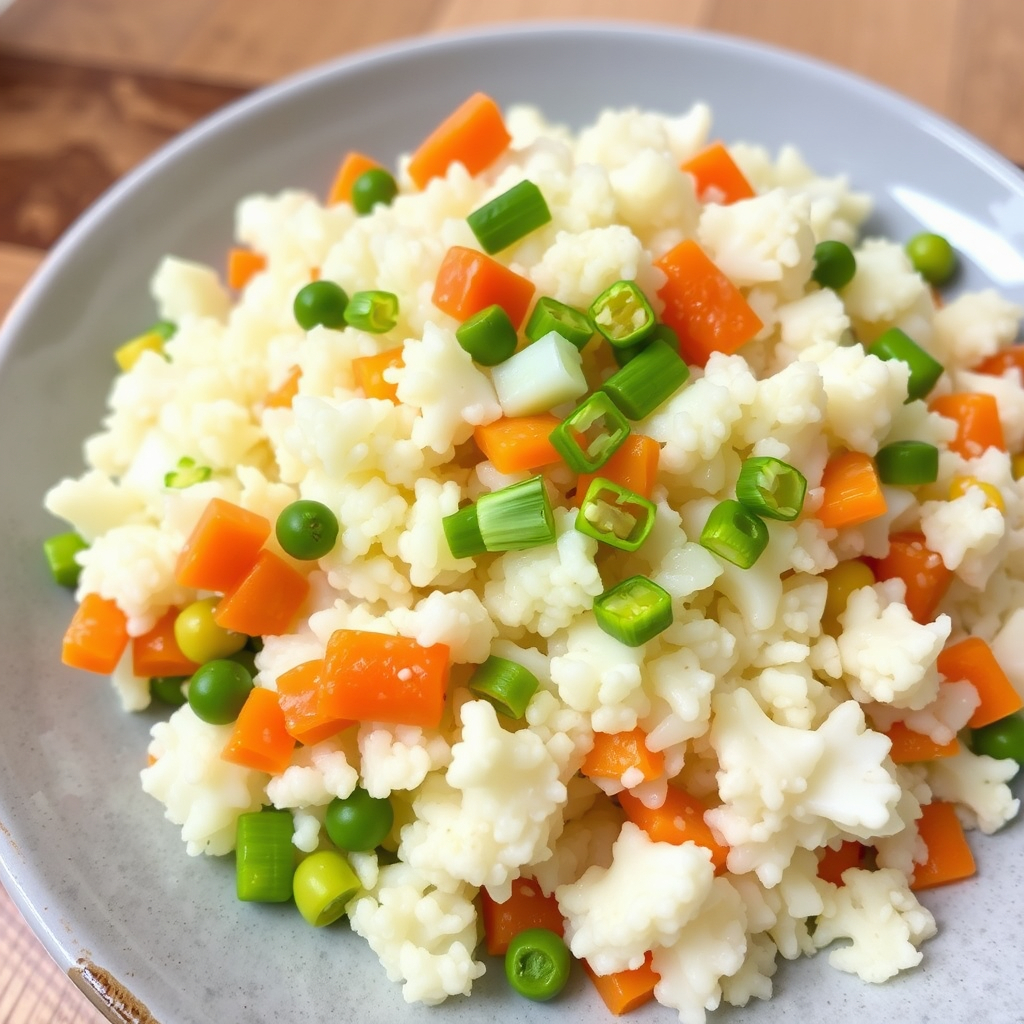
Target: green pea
[359,821]
[199,637]
[1003,739]
[537,964]
[218,690]
[372,187]
[307,529]
[322,886]
[834,265]
[168,689]
[932,257]
[320,303]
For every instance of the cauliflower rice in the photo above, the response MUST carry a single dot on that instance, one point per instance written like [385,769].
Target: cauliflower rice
[758,705]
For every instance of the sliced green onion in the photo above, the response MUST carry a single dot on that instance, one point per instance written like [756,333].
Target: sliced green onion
[624,353]
[649,378]
[373,311]
[186,474]
[590,434]
[60,551]
[509,217]
[165,329]
[488,336]
[622,314]
[322,885]
[771,488]
[551,315]
[924,370]
[264,857]
[506,684]
[516,517]
[539,377]
[462,531]
[615,515]
[634,611]
[908,463]
[734,533]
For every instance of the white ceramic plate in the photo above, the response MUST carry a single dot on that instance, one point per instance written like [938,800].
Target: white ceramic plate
[102,877]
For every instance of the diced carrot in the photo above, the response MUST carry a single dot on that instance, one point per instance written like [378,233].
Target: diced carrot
[243,266]
[266,600]
[474,135]
[625,990]
[298,693]
[706,310]
[222,547]
[834,862]
[150,760]
[715,171]
[369,373]
[614,754]
[996,365]
[972,659]
[517,443]
[922,570]
[349,169]
[259,739]
[157,653]
[470,281]
[977,422]
[678,820]
[853,492]
[633,465]
[527,907]
[96,637]
[949,857]
[373,677]
[284,394]
[909,746]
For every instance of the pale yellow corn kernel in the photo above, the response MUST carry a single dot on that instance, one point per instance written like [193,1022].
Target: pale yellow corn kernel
[1017,465]
[962,484]
[842,581]
[127,355]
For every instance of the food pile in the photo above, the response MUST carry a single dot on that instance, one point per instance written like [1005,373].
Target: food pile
[570,548]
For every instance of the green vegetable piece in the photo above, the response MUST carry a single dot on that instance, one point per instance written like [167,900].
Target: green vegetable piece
[648,379]
[60,551]
[359,821]
[589,436]
[537,964]
[516,517]
[462,531]
[306,530]
[834,265]
[320,304]
[198,635]
[551,315]
[771,488]
[624,353]
[322,886]
[634,611]
[264,857]
[165,329]
[615,515]
[169,689]
[509,217]
[372,187]
[1001,739]
[375,312]
[622,315]
[932,257]
[218,690]
[924,370]
[245,658]
[488,336]
[506,684]
[186,474]
[734,533]
[908,463]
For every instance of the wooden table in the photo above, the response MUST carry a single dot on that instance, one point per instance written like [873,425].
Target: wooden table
[89,87]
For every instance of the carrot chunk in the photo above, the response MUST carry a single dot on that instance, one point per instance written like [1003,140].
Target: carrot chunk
[909,746]
[527,907]
[298,693]
[222,547]
[470,281]
[625,990]
[266,600]
[633,465]
[614,754]
[259,739]
[922,570]
[284,394]
[853,492]
[834,862]
[96,637]
[474,135]
[678,820]
[715,172]
[157,653]
[996,365]
[372,677]
[517,443]
[706,310]
[977,422]
[243,266]
[949,856]
[369,373]
[972,659]
[352,166]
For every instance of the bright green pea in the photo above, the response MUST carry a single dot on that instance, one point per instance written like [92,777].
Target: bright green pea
[932,257]
[218,690]
[834,265]
[168,689]
[372,187]
[322,886]
[359,821]
[199,637]
[1002,739]
[537,964]
[307,529]
[320,303]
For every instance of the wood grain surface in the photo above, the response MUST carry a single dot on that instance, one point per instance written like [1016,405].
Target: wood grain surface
[89,87]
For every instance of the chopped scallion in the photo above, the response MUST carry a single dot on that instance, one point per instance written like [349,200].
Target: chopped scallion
[771,488]
[516,517]
[634,611]
[462,531]
[539,377]
[551,315]
[264,856]
[165,329]
[734,533]
[488,336]
[924,370]
[908,463]
[60,551]
[615,515]
[590,434]
[372,311]
[509,217]
[624,353]
[650,377]
[506,684]
[622,314]
[186,474]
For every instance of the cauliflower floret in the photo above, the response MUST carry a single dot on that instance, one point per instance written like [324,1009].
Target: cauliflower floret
[885,288]
[812,326]
[963,531]
[398,757]
[94,503]
[974,326]
[184,290]
[316,775]
[456,618]
[422,545]
[977,784]
[653,194]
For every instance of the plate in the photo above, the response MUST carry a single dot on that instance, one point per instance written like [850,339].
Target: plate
[101,876]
